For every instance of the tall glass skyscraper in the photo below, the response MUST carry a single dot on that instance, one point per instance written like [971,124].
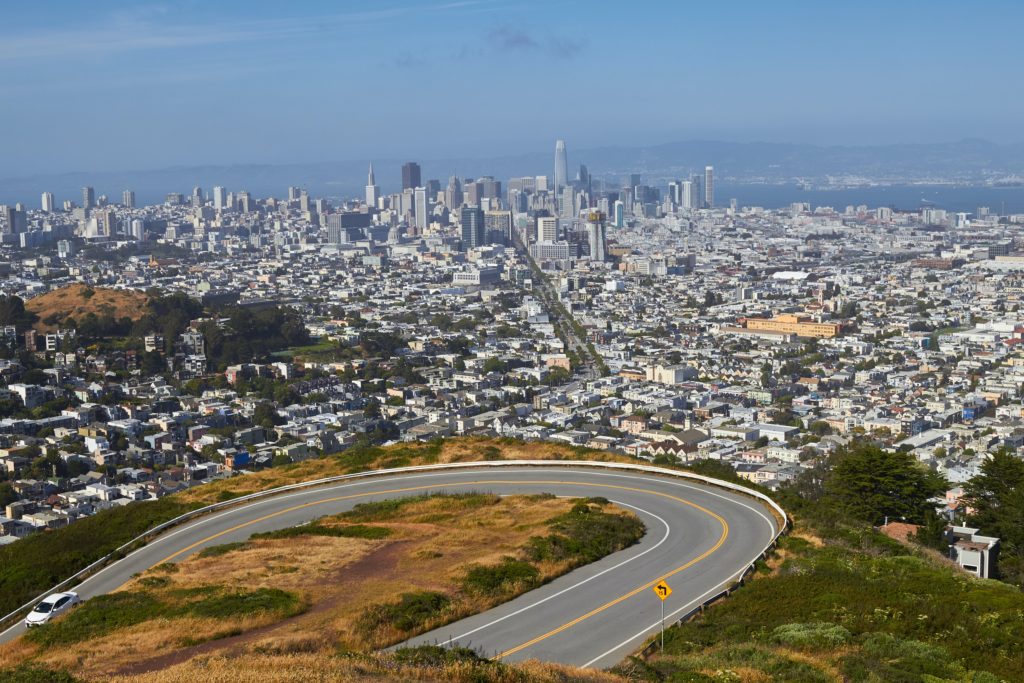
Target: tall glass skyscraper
[561,167]
[709,187]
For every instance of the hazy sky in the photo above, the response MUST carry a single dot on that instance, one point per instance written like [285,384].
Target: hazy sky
[105,85]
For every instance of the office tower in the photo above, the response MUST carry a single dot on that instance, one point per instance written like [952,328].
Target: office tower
[174,199]
[106,223]
[421,207]
[453,194]
[372,191]
[128,199]
[293,193]
[561,166]
[138,229]
[620,214]
[219,198]
[88,198]
[541,183]
[472,219]
[596,236]
[567,201]
[47,202]
[472,192]
[411,175]
[583,178]
[244,202]
[634,179]
[687,196]
[433,189]
[489,187]
[709,187]
[304,202]
[498,227]
[197,196]
[547,229]
[8,214]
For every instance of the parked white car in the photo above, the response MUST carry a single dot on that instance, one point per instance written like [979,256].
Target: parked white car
[52,606]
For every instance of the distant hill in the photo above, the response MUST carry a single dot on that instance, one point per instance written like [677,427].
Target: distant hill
[972,161]
[79,300]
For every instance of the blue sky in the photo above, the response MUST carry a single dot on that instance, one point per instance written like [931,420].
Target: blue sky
[105,85]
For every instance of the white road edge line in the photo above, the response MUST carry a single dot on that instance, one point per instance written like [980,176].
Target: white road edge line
[519,611]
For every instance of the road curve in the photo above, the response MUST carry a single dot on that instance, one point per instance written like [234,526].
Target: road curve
[698,539]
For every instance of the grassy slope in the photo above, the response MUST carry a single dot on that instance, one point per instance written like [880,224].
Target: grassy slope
[74,301]
[441,559]
[851,605]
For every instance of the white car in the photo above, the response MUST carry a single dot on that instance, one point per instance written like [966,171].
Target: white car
[52,606]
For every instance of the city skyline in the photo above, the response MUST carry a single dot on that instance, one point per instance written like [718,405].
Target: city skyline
[191,74]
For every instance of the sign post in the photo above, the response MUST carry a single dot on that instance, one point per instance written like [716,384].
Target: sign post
[662,590]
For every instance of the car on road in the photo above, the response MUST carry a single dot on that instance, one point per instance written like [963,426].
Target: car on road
[52,606]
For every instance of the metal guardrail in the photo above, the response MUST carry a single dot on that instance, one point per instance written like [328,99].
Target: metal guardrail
[131,545]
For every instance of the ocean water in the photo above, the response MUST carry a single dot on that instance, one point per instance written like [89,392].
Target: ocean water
[1002,200]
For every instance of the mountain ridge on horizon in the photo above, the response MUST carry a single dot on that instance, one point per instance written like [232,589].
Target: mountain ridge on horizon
[968,158]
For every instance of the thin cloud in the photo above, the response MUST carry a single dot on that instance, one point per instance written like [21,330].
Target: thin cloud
[144,28]
[509,38]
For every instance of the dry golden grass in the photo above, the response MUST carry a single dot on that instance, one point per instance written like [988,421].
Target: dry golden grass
[431,544]
[461,449]
[327,668]
[74,301]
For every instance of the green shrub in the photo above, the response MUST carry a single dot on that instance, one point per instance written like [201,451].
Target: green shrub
[98,617]
[29,673]
[411,612]
[240,603]
[315,529]
[504,577]
[817,635]
[222,549]
[584,535]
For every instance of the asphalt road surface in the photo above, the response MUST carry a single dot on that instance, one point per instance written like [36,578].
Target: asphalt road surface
[698,539]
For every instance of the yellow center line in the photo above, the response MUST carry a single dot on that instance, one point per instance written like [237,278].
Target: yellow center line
[639,589]
[563,627]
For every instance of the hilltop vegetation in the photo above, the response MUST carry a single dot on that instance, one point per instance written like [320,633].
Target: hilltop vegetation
[353,582]
[79,301]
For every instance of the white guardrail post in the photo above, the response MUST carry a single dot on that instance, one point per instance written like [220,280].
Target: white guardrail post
[188,516]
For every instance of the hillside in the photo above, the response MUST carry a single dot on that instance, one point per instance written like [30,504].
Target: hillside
[354,582]
[78,301]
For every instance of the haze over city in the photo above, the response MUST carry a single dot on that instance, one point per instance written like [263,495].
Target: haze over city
[486,341]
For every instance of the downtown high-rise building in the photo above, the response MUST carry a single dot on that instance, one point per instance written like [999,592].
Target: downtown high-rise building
[421,207]
[547,229]
[561,166]
[596,238]
[47,202]
[128,199]
[619,219]
[220,199]
[88,198]
[411,176]
[372,191]
[14,220]
[709,187]
[472,220]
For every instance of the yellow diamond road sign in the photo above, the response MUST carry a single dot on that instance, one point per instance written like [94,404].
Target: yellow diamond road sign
[662,589]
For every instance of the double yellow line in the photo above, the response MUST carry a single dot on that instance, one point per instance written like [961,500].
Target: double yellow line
[555,631]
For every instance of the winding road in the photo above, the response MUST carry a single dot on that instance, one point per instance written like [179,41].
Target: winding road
[699,538]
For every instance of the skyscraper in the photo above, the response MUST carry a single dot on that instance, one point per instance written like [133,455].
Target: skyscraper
[547,229]
[421,207]
[620,214]
[561,166]
[372,191]
[47,202]
[220,201]
[472,219]
[709,187]
[88,198]
[411,175]
[453,194]
[128,199]
[498,227]
[596,235]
